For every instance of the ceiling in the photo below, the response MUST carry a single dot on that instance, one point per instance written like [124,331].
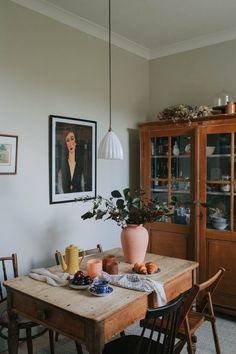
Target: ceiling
[150,28]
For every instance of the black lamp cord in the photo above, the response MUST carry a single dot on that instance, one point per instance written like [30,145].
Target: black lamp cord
[109,65]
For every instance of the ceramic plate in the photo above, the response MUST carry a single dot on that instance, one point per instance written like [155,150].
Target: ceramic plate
[147,275]
[92,290]
[78,287]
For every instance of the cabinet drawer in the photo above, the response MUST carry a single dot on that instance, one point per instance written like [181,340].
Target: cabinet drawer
[49,315]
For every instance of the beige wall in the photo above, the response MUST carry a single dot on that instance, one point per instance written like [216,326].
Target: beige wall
[49,68]
[194,77]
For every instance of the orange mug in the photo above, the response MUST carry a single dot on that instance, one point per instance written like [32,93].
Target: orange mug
[94,267]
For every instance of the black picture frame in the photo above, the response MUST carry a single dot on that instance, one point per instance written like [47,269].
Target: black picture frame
[72,152]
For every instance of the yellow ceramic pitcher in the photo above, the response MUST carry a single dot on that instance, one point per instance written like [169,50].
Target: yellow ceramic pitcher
[73,258]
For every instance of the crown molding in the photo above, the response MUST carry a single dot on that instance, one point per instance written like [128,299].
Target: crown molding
[75,21]
[194,43]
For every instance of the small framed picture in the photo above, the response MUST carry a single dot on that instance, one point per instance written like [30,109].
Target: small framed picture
[72,159]
[8,154]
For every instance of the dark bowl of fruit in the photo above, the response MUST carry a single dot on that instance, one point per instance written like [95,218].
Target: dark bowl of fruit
[80,281]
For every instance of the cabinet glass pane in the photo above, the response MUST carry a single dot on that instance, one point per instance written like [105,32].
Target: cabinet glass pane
[162,196]
[180,178]
[218,152]
[180,187]
[180,167]
[174,184]
[218,156]
[180,153]
[218,212]
[182,210]
[234,226]
[159,159]
[160,186]
[218,167]
[159,147]
[159,168]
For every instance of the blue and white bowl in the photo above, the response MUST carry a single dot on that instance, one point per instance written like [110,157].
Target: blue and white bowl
[219,223]
[220,226]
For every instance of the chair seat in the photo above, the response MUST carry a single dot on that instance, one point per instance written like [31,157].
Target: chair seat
[130,344]
[22,321]
[24,326]
[195,320]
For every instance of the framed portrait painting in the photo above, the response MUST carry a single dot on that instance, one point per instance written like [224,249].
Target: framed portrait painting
[8,154]
[72,159]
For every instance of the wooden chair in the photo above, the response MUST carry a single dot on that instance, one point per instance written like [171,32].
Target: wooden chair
[10,265]
[88,252]
[154,343]
[194,315]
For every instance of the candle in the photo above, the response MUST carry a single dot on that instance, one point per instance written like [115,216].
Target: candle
[106,259]
[94,267]
[112,267]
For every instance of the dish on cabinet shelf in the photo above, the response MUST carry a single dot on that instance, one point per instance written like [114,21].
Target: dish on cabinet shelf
[210,150]
[187,148]
[219,223]
[225,187]
[219,226]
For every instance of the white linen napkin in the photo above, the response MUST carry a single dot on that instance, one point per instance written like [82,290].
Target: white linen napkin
[137,282]
[54,279]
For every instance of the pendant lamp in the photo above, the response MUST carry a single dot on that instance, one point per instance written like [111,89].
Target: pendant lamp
[110,146]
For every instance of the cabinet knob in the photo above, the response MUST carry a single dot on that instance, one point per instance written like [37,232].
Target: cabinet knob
[41,315]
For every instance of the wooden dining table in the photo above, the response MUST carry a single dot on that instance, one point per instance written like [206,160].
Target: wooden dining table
[87,318]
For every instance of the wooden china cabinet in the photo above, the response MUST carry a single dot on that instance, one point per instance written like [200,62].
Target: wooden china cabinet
[193,164]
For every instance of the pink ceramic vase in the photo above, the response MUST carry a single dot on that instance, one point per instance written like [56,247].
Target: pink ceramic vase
[134,241]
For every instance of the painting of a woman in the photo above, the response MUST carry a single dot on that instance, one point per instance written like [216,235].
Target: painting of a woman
[71,174]
[73,163]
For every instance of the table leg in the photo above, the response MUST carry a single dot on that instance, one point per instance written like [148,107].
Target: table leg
[13,331]
[95,337]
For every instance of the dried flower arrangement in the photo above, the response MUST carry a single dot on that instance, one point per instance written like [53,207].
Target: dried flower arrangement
[184,112]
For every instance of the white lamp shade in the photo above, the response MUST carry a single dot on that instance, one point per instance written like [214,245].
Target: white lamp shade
[110,147]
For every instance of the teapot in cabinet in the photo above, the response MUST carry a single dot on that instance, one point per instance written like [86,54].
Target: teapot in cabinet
[70,263]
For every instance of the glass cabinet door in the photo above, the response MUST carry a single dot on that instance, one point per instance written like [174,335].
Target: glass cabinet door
[171,174]
[220,181]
